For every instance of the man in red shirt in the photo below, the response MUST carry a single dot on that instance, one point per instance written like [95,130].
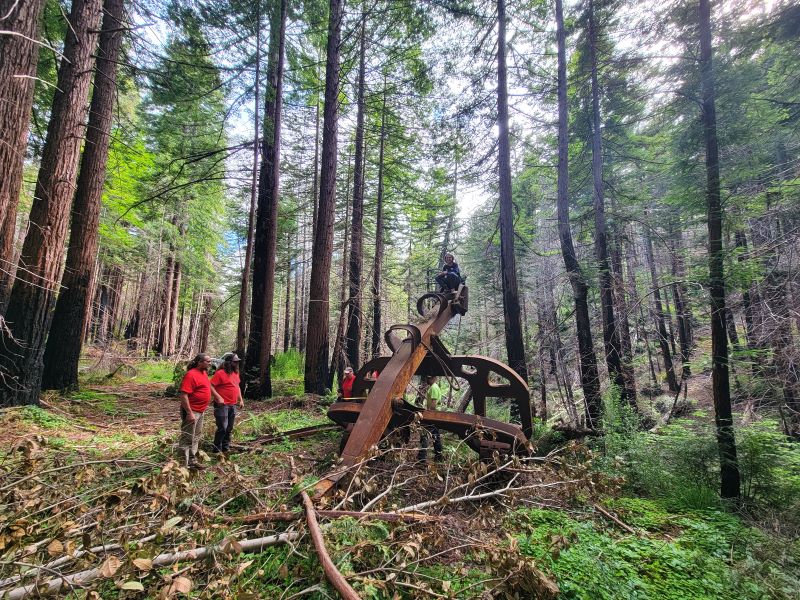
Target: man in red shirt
[195,394]
[347,383]
[225,383]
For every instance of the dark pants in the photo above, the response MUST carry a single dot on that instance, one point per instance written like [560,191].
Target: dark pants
[224,415]
[448,281]
[423,442]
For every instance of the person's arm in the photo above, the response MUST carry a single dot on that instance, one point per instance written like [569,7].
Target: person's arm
[241,398]
[215,396]
[185,406]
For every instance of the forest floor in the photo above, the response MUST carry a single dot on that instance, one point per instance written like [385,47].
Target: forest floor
[91,481]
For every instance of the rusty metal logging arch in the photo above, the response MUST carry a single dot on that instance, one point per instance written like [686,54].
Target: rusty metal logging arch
[378,404]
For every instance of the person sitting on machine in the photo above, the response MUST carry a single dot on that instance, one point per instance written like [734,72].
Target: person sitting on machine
[449,278]
[346,390]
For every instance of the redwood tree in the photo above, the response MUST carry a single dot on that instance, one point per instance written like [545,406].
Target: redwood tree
[266,228]
[353,334]
[19,52]
[30,307]
[729,466]
[515,345]
[72,308]
[588,360]
[611,338]
[316,366]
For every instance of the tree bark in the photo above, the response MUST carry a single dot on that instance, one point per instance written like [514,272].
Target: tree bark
[515,344]
[269,198]
[316,367]
[339,357]
[661,330]
[378,264]
[30,307]
[726,440]
[588,361]
[611,339]
[241,327]
[287,307]
[20,54]
[354,316]
[64,343]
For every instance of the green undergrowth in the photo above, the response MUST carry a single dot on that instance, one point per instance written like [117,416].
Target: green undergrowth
[692,554]
[264,423]
[42,418]
[154,371]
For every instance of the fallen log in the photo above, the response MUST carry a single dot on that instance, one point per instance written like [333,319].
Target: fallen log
[83,578]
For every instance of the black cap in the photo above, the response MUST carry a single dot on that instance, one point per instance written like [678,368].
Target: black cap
[232,357]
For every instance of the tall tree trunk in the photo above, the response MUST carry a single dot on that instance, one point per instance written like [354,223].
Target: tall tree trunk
[205,321]
[63,348]
[378,264]
[163,329]
[172,330]
[611,339]
[30,307]
[315,177]
[269,189]
[661,330]
[339,357]
[588,361]
[729,467]
[297,307]
[241,327]
[354,316]
[20,52]
[515,344]
[287,308]
[316,367]
[682,307]
[301,340]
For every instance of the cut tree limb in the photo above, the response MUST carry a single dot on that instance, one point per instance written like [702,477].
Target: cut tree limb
[332,574]
[82,578]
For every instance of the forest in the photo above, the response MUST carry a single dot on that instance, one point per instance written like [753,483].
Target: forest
[275,193]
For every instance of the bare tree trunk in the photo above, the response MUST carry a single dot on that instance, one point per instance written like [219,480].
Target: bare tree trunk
[297,308]
[269,192]
[339,357]
[287,308]
[241,327]
[30,307]
[354,316]
[682,308]
[162,340]
[515,344]
[173,308]
[661,330]
[588,361]
[316,367]
[611,340]
[378,265]
[729,467]
[205,321]
[20,52]
[64,343]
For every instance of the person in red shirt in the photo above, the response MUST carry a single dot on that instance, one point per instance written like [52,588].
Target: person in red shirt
[225,382]
[347,383]
[195,394]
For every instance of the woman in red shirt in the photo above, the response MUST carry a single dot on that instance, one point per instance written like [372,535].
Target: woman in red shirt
[225,383]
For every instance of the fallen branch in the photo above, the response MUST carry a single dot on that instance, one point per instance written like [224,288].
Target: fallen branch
[68,558]
[614,519]
[332,574]
[77,466]
[82,578]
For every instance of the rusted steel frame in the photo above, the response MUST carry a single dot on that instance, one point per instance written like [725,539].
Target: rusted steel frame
[376,411]
[479,382]
[332,574]
[464,425]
